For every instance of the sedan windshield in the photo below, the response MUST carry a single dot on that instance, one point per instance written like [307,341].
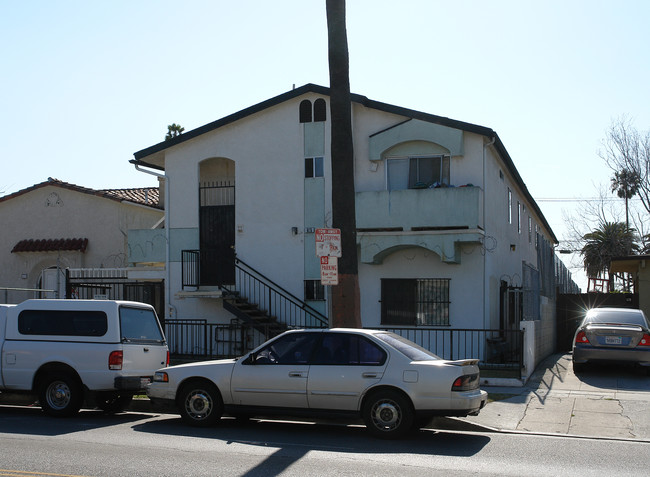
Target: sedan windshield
[411,350]
[618,317]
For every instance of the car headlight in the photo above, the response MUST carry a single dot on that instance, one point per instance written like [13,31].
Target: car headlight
[160,377]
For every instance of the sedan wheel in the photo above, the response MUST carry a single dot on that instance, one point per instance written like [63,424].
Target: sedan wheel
[200,404]
[388,414]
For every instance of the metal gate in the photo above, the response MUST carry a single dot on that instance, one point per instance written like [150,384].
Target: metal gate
[113,284]
[217,233]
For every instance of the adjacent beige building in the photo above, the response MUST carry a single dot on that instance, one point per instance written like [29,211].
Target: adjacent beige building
[54,226]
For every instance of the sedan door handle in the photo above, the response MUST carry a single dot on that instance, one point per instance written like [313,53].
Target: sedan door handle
[297,374]
[369,375]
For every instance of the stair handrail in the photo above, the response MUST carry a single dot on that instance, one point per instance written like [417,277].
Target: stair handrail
[279,290]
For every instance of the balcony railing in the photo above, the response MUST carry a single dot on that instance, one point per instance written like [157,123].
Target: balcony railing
[146,245]
[417,209]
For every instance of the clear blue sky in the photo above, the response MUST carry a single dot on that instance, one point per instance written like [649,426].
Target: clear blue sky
[86,84]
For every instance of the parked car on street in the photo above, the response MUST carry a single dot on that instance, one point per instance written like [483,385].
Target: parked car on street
[612,335]
[392,383]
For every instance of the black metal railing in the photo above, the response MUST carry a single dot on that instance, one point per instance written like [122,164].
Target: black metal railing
[495,349]
[196,340]
[257,289]
[270,297]
[190,268]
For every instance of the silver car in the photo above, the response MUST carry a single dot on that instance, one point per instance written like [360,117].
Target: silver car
[612,335]
[392,383]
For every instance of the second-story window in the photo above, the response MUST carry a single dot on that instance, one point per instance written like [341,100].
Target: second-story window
[417,172]
[509,206]
[314,167]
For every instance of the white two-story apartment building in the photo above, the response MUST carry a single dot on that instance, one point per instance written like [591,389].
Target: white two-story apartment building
[448,235]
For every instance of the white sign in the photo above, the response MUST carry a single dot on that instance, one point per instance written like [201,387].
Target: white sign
[329,271]
[328,242]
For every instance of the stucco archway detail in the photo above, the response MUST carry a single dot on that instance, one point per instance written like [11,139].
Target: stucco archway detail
[375,248]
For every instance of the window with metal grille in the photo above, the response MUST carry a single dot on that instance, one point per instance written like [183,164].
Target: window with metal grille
[415,302]
[314,290]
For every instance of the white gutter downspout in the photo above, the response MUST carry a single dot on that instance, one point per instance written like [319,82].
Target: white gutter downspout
[164,177]
[485,278]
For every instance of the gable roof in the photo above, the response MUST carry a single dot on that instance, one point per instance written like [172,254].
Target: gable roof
[294,93]
[148,196]
[355,98]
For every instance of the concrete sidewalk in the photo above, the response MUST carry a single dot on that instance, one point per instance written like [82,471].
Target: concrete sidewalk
[612,402]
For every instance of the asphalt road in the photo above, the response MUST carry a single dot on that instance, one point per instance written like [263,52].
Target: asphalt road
[141,444]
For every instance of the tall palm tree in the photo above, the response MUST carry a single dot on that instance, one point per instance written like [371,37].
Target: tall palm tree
[612,239]
[346,308]
[626,184]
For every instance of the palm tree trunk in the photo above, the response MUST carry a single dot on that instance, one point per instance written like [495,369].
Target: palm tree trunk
[346,309]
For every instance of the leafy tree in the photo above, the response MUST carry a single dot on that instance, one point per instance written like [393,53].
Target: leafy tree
[611,239]
[346,308]
[627,152]
[626,184]
[174,130]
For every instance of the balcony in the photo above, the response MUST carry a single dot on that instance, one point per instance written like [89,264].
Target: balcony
[146,246]
[437,219]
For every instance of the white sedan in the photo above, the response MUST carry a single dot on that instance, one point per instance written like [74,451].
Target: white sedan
[389,381]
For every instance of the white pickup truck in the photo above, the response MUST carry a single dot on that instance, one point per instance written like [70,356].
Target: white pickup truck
[69,351]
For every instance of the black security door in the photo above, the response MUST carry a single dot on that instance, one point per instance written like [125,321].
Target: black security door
[217,234]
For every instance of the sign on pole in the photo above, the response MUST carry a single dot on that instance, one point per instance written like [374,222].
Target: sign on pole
[329,270]
[328,242]
[328,248]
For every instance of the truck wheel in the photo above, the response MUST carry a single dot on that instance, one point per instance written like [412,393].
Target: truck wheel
[388,414]
[60,394]
[200,404]
[113,403]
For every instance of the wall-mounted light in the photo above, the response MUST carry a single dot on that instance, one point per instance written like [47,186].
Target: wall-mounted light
[512,247]
[240,228]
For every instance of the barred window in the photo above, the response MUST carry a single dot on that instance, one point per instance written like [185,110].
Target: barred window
[314,290]
[415,302]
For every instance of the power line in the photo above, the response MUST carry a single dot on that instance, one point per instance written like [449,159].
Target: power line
[583,199]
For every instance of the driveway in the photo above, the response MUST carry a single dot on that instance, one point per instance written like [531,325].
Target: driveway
[604,402]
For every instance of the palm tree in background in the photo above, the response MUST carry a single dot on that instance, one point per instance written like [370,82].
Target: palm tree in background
[626,184]
[611,239]
[174,130]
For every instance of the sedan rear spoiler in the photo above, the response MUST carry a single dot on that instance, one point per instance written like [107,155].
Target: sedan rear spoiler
[464,362]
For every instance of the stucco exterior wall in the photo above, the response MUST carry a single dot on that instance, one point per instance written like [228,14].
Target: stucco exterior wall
[267,149]
[53,212]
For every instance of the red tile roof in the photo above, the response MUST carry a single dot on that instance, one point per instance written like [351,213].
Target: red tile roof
[149,196]
[51,245]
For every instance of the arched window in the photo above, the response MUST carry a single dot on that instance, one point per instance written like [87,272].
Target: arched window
[320,110]
[305,111]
